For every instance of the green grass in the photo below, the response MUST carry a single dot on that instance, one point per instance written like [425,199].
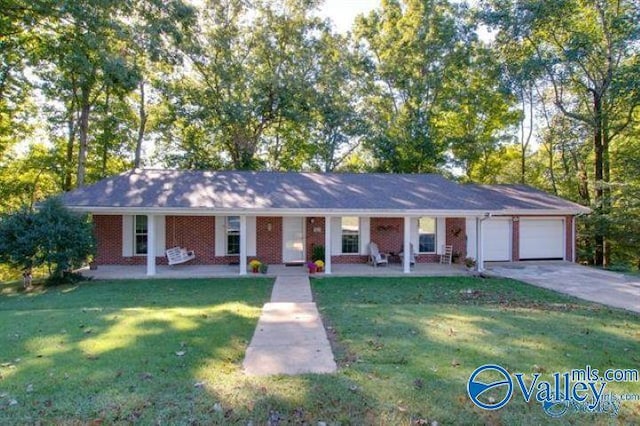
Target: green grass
[112,352]
[123,351]
[410,344]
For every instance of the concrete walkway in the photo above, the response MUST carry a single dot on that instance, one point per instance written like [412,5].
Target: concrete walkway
[289,338]
[606,287]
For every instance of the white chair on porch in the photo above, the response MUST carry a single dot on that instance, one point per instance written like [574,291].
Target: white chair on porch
[412,256]
[178,255]
[375,257]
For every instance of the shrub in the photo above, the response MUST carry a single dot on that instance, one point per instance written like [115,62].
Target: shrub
[51,236]
[317,253]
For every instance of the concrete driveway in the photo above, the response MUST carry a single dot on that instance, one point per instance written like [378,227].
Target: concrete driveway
[609,288]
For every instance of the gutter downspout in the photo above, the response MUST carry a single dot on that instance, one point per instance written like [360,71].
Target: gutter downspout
[479,251]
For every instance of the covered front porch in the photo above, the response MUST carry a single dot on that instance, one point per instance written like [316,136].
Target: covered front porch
[109,272]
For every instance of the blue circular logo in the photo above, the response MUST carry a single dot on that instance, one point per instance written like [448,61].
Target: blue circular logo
[556,407]
[476,387]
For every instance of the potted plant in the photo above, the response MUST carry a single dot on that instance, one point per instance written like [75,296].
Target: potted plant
[319,265]
[317,252]
[469,262]
[264,268]
[255,265]
[312,267]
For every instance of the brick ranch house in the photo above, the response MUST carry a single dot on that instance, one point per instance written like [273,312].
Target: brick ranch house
[230,217]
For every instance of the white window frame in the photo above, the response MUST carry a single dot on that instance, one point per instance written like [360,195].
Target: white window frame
[136,234]
[434,233]
[342,234]
[229,232]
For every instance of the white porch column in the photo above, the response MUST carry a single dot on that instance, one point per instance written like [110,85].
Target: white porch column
[151,245]
[327,245]
[243,245]
[406,258]
[479,244]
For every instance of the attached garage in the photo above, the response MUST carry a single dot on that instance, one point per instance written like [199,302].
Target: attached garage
[542,238]
[497,240]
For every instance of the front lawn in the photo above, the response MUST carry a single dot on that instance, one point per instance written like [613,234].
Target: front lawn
[124,351]
[170,352]
[410,344]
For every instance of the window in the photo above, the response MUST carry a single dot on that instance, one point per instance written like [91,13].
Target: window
[233,234]
[427,231]
[141,233]
[350,235]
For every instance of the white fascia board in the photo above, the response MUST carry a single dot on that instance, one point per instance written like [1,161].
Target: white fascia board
[323,212]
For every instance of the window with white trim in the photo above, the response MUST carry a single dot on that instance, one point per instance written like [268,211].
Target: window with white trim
[350,234]
[233,235]
[140,234]
[427,235]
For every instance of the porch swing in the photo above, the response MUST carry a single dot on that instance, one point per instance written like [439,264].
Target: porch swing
[177,255]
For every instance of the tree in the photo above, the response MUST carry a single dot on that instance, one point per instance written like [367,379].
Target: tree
[52,236]
[589,51]
[412,47]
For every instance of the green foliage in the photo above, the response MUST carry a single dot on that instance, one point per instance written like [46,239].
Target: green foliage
[318,253]
[52,236]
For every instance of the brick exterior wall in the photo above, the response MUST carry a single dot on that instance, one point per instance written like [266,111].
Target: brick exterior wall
[195,233]
[568,229]
[515,239]
[198,233]
[314,232]
[388,233]
[269,241]
[456,236]
[108,232]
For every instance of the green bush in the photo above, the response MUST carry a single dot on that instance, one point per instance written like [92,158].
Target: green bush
[317,253]
[51,236]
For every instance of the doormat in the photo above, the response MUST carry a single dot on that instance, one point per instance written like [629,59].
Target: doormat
[297,263]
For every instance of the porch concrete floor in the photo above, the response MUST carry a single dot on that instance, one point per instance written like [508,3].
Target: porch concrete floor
[108,272]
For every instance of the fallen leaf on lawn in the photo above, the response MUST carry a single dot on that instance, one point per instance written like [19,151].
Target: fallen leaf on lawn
[13,402]
[217,407]
[3,395]
[402,408]
[455,363]
[29,387]
[146,376]
[96,422]
[199,384]
[181,353]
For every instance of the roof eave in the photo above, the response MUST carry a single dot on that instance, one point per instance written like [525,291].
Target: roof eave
[201,211]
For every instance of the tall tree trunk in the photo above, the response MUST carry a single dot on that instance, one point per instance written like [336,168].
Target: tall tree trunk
[71,141]
[606,193]
[83,135]
[141,130]
[599,178]
[525,141]
[105,138]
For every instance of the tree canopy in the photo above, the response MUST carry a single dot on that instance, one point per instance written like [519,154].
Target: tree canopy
[499,91]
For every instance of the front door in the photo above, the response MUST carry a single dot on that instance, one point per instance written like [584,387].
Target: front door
[292,239]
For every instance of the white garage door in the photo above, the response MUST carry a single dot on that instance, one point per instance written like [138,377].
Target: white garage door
[496,236]
[541,239]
